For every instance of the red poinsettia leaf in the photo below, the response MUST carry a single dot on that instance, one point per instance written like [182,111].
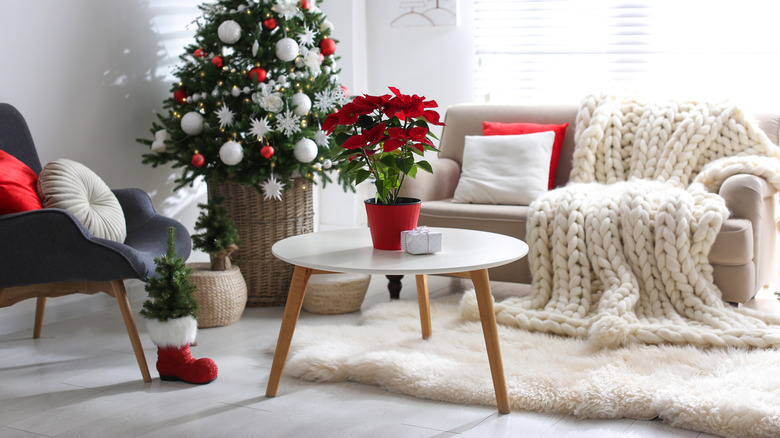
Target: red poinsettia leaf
[432,117]
[362,105]
[392,144]
[418,133]
[330,123]
[397,133]
[375,134]
[354,142]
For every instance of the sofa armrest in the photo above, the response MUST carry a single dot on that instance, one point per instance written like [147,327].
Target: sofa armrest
[438,185]
[753,198]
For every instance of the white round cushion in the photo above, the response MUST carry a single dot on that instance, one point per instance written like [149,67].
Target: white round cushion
[71,186]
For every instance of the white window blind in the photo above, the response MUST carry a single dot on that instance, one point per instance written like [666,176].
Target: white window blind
[557,51]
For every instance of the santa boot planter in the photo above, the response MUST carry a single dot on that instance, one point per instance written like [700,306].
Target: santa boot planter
[174,362]
[170,319]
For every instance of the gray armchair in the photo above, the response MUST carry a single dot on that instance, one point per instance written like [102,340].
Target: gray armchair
[49,253]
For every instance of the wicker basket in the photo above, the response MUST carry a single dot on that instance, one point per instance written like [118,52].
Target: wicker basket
[221,295]
[335,293]
[261,223]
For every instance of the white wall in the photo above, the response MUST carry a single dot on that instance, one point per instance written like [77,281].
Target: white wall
[88,75]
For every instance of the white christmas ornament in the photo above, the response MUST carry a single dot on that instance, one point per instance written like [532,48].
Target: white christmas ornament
[286,49]
[326,164]
[225,116]
[272,188]
[158,145]
[255,46]
[301,104]
[192,123]
[231,153]
[305,150]
[229,32]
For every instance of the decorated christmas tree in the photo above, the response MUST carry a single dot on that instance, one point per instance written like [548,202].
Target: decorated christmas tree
[252,92]
[170,293]
[218,235]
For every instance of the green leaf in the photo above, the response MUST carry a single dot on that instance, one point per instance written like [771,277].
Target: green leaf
[426,166]
[362,175]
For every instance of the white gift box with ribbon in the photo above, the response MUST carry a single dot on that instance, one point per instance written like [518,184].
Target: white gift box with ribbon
[421,240]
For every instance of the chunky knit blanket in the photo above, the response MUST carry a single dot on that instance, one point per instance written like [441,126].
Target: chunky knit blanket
[619,255]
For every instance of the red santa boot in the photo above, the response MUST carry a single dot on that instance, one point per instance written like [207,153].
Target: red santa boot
[174,362]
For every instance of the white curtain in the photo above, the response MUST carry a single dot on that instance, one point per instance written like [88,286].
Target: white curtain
[556,51]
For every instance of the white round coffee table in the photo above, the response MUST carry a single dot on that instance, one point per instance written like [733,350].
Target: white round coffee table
[465,253]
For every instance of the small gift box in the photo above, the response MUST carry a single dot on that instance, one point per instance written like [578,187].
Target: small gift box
[421,240]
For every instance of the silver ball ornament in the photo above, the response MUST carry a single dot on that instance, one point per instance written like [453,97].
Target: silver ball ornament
[286,49]
[327,164]
[231,153]
[305,150]
[192,123]
[229,32]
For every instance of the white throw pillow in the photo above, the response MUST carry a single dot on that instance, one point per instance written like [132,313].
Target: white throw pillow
[505,169]
[71,186]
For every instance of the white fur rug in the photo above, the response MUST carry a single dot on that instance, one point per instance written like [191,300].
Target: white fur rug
[729,392]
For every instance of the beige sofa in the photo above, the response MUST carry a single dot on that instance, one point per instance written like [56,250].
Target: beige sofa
[746,253]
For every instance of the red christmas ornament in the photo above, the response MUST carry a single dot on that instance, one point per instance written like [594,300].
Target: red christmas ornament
[217,60]
[305,5]
[199,53]
[327,46]
[267,152]
[198,160]
[180,96]
[257,74]
[269,24]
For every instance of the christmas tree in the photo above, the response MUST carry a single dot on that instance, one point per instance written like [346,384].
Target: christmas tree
[170,293]
[218,233]
[252,92]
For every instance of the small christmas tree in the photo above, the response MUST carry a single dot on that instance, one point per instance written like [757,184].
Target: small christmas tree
[170,293]
[251,95]
[219,237]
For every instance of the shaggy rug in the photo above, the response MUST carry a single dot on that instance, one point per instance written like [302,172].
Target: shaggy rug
[722,391]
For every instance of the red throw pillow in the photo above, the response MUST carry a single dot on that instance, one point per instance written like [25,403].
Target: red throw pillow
[498,128]
[17,186]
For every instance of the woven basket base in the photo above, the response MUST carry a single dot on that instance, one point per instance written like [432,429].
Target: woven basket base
[221,295]
[335,293]
[260,224]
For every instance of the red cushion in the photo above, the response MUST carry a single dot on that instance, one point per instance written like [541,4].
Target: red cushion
[17,186]
[498,128]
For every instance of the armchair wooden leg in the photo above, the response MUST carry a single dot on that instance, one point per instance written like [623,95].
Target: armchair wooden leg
[127,314]
[40,308]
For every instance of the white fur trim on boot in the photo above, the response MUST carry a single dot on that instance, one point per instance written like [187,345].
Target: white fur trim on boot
[173,332]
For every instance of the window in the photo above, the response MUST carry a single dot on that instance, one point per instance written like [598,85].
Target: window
[557,51]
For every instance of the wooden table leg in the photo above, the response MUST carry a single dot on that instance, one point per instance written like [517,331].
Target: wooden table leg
[292,311]
[490,330]
[425,305]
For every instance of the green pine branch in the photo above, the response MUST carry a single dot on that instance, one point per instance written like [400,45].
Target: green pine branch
[171,294]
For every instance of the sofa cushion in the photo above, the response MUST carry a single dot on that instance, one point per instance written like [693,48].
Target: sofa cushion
[498,128]
[71,186]
[17,186]
[505,169]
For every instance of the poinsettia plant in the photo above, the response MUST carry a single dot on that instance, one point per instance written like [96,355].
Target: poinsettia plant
[384,138]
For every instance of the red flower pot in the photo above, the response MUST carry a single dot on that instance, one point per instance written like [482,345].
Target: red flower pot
[386,221]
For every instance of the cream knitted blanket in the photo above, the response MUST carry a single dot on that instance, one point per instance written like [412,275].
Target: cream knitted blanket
[619,255]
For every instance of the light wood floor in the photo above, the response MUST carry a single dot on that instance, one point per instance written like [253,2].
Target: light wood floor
[80,379]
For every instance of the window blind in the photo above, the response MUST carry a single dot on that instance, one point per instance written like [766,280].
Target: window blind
[557,51]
